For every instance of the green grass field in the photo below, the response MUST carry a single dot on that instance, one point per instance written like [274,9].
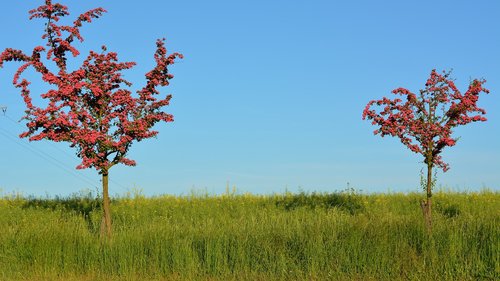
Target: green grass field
[338,236]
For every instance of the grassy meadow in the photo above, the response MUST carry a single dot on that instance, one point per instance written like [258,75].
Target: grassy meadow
[334,236]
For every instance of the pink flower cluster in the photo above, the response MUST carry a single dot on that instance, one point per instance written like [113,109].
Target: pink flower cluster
[424,122]
[89,107]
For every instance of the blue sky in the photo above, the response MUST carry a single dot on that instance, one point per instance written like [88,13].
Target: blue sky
[270,94]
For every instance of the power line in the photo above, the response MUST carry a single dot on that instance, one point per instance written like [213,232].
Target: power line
[45,156]
[49,157]
[51,144]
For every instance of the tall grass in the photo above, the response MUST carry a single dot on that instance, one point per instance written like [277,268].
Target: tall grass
[340,236]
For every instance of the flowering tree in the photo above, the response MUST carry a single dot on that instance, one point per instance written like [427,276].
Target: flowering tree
[424,122]
[89,107]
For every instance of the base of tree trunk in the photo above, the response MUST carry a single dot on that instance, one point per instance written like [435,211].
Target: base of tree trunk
[426,210]
[106,210]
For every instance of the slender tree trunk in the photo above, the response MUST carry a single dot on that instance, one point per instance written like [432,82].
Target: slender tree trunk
[106,216]
[426,204]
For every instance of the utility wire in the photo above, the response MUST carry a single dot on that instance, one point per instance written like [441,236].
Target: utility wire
[45,155]
[51,144]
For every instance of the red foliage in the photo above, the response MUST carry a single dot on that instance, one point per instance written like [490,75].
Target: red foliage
[88,107]
[424,122]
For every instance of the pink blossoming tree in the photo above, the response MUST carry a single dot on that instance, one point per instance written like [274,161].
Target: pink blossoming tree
[89,107]
[424,123]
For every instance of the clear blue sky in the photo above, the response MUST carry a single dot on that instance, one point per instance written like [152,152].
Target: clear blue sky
[270,94]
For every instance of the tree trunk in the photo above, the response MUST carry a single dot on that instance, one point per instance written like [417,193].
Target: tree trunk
[426,204]
[106,216]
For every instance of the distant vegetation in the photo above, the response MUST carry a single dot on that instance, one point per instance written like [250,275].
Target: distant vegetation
[318,236]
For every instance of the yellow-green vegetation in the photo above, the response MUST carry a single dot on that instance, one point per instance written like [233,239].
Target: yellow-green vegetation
[337,236]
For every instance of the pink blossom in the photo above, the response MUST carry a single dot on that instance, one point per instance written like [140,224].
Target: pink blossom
[90,107]
[420,123]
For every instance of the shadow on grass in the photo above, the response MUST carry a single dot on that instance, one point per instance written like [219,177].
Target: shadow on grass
[82,204]
[349,202]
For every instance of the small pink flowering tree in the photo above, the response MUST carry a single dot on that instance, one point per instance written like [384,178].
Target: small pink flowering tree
[89,107]
[424,122]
